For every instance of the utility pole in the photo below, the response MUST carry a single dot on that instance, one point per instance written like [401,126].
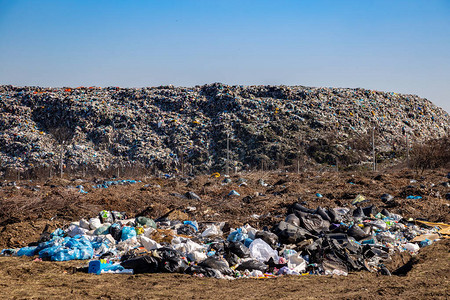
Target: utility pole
[182,163]
[373,150]
[407,149]
[61,160]
[228,154]
[298,155]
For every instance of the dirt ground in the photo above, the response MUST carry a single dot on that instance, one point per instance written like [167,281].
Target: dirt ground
[29,205]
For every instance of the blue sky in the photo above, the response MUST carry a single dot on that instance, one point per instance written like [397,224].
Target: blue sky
[400,46]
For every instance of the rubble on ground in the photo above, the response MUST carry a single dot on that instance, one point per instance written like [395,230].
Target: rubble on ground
[333,241]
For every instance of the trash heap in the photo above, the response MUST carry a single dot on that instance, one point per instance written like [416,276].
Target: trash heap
[167,126]
[309,241]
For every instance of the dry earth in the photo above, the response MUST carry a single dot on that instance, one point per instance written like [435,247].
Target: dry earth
[26,210]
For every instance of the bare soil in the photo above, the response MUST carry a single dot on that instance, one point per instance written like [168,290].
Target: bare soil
[29,206]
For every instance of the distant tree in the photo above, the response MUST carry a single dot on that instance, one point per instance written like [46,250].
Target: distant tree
[431,155]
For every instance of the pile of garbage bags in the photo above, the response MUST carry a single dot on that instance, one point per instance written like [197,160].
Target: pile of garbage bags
[167,127]
[309,241]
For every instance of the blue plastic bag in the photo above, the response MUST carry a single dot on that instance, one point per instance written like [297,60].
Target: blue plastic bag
[247,242]
[66,249]
[128,233]
[83,253]
[49,252]
[97,266]
[57,233]
[63,254]
[237,236]
[194,224]
[27,251]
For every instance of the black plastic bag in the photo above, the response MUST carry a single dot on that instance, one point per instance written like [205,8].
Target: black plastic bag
[385,212]
[300,214]
[205,271]
[186,230]
[251,265]
[116,231]
[132,253]
[45,235]
[314,224]
[216,263]
[370,210]
[331,262]
[323,214]
[356,232]
[142,264]
[290,234]
[173,265]
[171,261]
[218,247]
[298,206]
[268,237]
[334,217]
[292,219]
[387,198]
[232,259]
[358,213]
[239,249]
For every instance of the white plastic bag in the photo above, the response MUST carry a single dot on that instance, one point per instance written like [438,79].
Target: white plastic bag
[109,239]
[296,263]
[94,223]
[148,243]
[211,231]
[84,224]
[127,245]
[74,230]
[250,231]
[261,251]
[148,231]
[196,256]
[191,246]
[256,273]
[411,247]
[380,224]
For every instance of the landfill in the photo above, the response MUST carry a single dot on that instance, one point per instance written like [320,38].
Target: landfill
[209,128]
[333,241]
[275,214]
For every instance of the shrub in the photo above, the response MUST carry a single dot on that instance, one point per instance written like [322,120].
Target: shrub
[431,155]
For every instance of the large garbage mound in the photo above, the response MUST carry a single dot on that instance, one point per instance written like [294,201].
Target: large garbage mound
[189,128]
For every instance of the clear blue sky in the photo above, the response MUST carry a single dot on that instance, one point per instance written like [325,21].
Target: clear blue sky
[400,46]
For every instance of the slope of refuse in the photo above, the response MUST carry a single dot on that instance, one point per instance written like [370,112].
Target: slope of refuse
[169,128]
